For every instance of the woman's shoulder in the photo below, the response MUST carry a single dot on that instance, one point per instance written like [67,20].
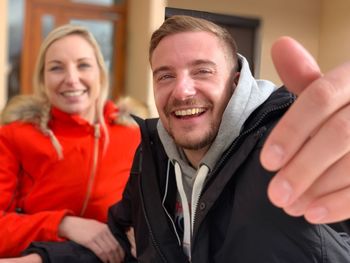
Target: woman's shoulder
[128,132]
[20,129]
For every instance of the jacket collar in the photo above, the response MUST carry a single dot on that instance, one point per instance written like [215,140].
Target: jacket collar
[72,124]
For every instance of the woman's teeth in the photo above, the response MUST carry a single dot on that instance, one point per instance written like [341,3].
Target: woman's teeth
[73,93]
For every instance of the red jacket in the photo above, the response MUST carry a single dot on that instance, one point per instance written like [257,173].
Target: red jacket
[37,189]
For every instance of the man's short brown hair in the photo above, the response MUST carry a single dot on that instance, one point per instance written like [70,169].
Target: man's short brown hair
[180,24]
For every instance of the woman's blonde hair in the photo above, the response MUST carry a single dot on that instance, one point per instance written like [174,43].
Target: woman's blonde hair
[36,108]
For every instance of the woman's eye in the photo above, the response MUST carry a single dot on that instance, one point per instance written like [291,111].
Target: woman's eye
[55,68]
[84,65]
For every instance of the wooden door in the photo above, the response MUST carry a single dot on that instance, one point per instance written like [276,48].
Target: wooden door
[107,23]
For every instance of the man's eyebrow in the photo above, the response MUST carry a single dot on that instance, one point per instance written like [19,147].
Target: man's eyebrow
[199,62]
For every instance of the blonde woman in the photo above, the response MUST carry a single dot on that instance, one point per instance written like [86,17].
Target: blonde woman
[64,158]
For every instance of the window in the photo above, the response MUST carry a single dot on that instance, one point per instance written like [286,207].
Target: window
[105,19]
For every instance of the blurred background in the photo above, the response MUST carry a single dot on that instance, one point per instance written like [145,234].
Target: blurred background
[123,29]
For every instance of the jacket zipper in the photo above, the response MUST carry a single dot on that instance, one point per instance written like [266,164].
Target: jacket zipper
[166,211]
[228,153]
[94,168]
[154,241]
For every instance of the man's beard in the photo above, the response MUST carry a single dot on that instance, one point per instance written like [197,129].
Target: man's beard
[184,142]
[206,140]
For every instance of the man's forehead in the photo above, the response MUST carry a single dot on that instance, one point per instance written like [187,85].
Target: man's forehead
[185,43]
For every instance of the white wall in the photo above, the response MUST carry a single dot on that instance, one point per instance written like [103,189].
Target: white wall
[298,18]
[335,33]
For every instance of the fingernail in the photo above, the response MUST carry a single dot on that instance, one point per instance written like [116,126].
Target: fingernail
[281,191]
[316,214]
[275,155]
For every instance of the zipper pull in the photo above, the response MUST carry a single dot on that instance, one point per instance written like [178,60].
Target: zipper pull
[97,132]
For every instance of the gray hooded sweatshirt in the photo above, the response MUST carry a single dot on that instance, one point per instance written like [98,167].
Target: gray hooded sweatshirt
[248,95]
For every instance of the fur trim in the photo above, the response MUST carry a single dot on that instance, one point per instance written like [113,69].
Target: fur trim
[128,105]
[26,108]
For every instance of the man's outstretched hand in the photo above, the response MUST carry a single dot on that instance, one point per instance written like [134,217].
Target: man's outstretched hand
[310,146]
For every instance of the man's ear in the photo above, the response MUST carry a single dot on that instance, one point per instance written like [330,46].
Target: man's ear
[236,77]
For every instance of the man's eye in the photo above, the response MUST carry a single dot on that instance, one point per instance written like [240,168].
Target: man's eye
[165,77]
[204,71]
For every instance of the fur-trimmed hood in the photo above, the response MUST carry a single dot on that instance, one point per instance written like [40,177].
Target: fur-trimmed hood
[27,108]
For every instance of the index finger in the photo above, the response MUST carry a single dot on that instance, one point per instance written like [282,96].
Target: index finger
[297,69]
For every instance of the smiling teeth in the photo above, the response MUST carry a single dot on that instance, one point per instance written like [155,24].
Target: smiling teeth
[73,93]
[189,112]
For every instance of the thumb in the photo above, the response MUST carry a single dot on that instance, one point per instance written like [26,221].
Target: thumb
[294,64]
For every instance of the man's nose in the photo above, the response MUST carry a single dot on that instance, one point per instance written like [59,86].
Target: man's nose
[184,88]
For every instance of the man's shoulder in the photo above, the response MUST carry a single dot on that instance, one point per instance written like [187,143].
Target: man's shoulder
[146,123]
[273,108]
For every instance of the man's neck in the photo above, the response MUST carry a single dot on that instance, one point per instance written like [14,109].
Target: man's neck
[195,156]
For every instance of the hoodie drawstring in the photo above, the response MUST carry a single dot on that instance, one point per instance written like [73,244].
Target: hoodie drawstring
[189,216]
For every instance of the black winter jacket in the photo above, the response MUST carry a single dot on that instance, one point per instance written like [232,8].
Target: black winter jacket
[235,221]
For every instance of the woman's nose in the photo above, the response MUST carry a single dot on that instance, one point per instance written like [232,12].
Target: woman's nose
[72,76]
